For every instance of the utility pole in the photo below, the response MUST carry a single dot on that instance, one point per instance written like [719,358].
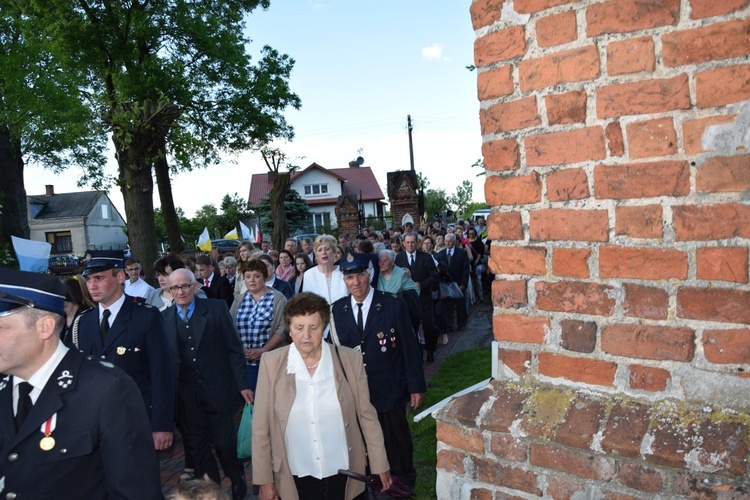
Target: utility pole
[411,159]
[411,146]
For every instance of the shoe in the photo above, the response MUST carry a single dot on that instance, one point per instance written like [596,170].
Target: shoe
[444,339]
[187,475]
[239,489]
[430,357]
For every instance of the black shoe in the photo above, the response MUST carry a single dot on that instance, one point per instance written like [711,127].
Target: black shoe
[239,489]
[430,357]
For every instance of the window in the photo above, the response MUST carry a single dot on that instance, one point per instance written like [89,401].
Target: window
[61,242]
[105,211]
[321,219]
[313,189]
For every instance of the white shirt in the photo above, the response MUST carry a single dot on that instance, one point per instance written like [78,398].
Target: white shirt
[138,289]
[315,436]
[113,310]
[39,379]
[365,307]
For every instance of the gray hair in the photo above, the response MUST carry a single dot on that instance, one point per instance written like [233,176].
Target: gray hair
[450,236]
[388,253]
[378,246]
[229,261]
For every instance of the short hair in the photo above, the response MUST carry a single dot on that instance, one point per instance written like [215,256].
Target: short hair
[450,236]
[32,315]
[198,489]
[388,253]
[204,260]
[305,304]
[365,246]
[378,246]
[229,261]
[170,260]
[284,250]
[77,291]
[264,257]
[291,239]
[324,239]
[253,265]
[413,235]
[131,261]
[428,237]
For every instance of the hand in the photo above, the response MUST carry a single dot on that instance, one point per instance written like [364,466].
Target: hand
[385,478]
[247,352]
[416,400]
[248,395]
[268,492]
[162,440]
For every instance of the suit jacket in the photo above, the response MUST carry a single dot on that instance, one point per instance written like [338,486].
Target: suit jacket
[274,397]
[282,286]
[103,445]
[219,355]
[424,272]
[458,267]
[395,373]
[220,289]
[136,342]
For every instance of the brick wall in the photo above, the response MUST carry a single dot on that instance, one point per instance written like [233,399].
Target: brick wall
[616,137]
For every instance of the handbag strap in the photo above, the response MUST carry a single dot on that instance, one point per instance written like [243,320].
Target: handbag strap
[335,338]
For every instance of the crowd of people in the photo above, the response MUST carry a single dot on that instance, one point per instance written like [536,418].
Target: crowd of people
[335,320]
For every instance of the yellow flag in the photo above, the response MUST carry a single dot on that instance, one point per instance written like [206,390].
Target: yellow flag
[204,241]
[232,235]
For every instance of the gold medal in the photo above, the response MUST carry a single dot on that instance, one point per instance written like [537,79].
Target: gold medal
[121,350]
[47,443]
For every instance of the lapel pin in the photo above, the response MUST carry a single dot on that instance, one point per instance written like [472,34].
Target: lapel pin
[65,379]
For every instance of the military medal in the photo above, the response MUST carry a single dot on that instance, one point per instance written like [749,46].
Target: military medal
[48,442]
[121,350]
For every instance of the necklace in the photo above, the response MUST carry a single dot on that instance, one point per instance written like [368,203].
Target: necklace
[312,367]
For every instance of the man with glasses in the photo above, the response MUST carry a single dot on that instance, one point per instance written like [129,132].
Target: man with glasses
[130,336]
[135,286]
[69,427]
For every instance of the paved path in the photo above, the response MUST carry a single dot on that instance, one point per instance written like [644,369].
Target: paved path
[478,331]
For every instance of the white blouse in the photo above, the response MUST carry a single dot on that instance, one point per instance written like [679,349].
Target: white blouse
[315,436]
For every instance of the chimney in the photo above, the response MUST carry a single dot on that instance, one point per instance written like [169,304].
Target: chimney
[353,164]
[49,190]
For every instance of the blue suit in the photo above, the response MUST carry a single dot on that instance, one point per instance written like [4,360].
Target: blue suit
[137,343]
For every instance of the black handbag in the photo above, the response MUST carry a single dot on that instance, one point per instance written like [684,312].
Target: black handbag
[450,290]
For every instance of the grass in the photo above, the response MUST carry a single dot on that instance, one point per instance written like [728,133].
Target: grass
[457,372]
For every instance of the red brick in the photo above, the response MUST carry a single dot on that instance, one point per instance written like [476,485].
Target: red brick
[706,8]
[711,222]
[584,370]
[501,155]
[643,97]
[500,46]
[631,56]
[513,189]
[504,226]
[721,86]
[639,221]
[494,83]
[725,305]
[578,336]
[571,262]
[647,378]
[645,301]
[709,43]
[652,138]
[569,107]
[465,409]
[724,174]
[640,478]
[485,12]
[626,426]
[506,409]
[556,29]
[672,440]
[567,184]
[531,6]
[571,146]
[574,65]
[727,346]
[723,444]
[581,423]
[507,447]
[519,362]
[555,224]
[615,143]
[480,494]
[517,328]
[693,130]
[624,16]
[469,440]
[562,488]
[451,461]
[575,296]
[642,263]
[649,342]
[518,260]
[510,115]
[642,180]
[489,471]
[724,264]
[583,465]
[509,294]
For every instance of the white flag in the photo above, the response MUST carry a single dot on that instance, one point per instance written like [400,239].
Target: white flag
[204,241]
[245,231]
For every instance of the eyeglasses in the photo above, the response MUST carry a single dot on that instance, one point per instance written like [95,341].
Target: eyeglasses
[10,304]
[178,288]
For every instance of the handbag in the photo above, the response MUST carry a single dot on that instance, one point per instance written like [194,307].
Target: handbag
[450,290]
[245,433]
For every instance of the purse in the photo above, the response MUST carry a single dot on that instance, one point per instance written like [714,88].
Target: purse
[450,290]
[245,433]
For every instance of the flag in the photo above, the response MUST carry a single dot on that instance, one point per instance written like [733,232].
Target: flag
[32,255]
[204,241]
[245,231]
[258,235]
[232,235]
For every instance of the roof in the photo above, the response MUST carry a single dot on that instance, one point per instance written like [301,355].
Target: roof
[65,205]
[355,179]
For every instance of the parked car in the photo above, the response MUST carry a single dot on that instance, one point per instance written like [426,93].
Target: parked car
[225,246]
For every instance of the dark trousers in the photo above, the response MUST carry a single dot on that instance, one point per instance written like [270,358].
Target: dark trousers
[462,315]
[428,324]
[328,488]
[204,427]
[398,445]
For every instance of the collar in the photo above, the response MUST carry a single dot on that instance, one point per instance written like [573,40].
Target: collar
[190,308]
[39,379]
[365,303]
[113,309]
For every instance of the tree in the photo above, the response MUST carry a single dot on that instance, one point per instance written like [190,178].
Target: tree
[461,199]
[233,210]
[297,213]
[435,201]
[168,77]
[274,159]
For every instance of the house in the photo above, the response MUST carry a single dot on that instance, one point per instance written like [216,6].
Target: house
[76,222]
[321,188]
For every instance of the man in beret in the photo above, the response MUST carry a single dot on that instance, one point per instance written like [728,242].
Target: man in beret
[69,427]
[377,324]
[132,337]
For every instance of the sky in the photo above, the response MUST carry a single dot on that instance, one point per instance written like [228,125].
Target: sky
[360,68]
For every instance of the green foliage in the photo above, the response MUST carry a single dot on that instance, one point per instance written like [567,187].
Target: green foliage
[297,213]
[7,257]
[233,210]
[474,206]
[435,201]
[480,165]
[461,199]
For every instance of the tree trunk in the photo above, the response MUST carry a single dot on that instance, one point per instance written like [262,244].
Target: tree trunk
[14,220]
[280,187]
[161,170]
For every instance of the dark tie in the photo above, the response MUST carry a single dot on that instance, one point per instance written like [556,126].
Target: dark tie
[104,326]
[24,403]
[185,314]
[411,264]
[450,254]
[360,319]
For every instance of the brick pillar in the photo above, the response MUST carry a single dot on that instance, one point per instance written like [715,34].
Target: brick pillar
[615,143]
[347,215]
[403,196]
